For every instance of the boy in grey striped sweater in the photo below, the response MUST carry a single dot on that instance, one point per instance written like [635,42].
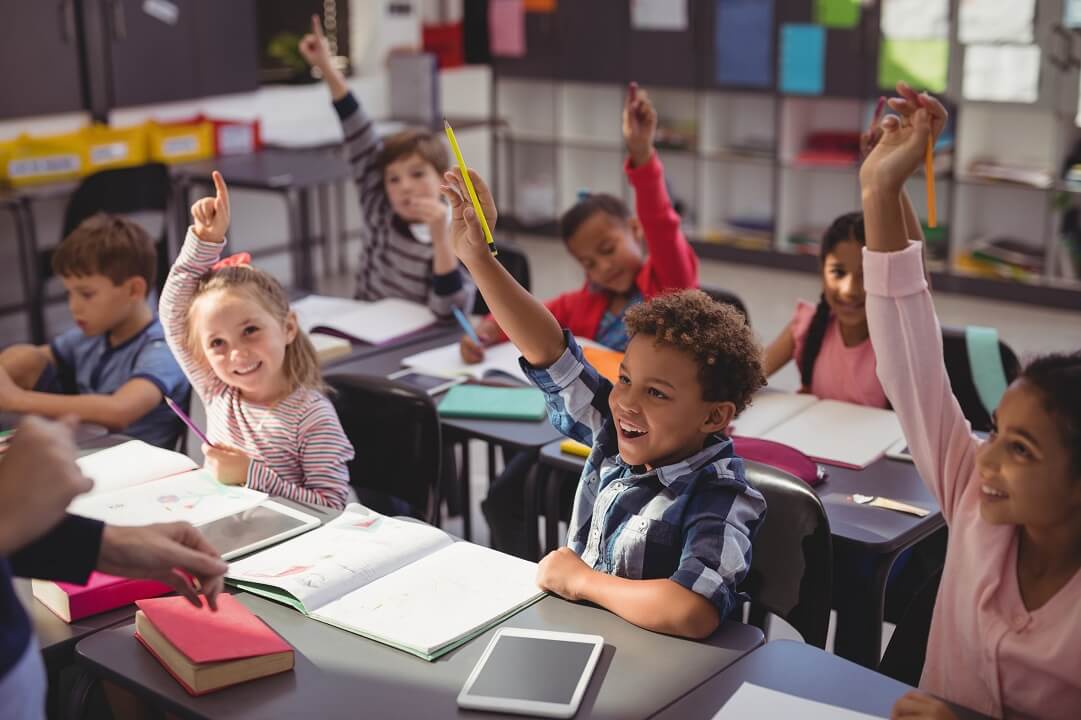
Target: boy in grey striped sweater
[405,252]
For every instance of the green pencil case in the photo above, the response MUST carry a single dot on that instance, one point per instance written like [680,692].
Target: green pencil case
[493,403]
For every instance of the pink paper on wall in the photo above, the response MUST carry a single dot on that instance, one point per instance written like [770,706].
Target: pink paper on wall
[506,28]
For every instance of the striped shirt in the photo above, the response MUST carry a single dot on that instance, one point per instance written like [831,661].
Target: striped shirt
[297,445]
[691,522]
[394,262]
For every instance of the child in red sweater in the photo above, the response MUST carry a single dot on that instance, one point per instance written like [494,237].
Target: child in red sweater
[603,235]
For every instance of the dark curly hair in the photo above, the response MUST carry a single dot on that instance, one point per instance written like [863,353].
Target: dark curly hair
[1058,376]
[715,334]
[588,206]
[847,227]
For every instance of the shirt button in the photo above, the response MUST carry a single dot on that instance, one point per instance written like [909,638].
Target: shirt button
[617,486]
[643,524]
[1019,622]
[595,534]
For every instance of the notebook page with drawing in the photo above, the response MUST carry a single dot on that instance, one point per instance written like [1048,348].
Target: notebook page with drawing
[447,360]
[402,583]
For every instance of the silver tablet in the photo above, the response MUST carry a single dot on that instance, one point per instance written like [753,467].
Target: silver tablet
[532,672]
[265,524]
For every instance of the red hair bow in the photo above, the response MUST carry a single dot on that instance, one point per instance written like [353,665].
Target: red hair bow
[242,259]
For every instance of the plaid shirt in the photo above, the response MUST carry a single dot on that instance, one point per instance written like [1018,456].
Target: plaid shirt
[690,522]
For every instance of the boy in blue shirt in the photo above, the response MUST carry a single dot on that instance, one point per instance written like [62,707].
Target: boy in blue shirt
[663,517]
[114,367]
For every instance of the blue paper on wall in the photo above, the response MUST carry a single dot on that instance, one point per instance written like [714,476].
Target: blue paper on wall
[803,59]
[743,31]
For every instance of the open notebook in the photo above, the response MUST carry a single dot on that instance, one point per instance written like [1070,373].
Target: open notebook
[500,361]
[369,322]
[828,431]
[402,583]
[138,484]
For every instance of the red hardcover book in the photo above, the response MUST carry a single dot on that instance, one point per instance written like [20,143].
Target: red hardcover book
[206,651]
[100,594]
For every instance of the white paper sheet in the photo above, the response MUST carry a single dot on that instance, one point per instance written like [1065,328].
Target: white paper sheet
[357,547]
[768,410]
[447,360]
[193,497]
[131,463]
[1002,73]
[915,19]
[438,599]
[372,322]
[983,21]
[659,14]
[840,433]
[753,702]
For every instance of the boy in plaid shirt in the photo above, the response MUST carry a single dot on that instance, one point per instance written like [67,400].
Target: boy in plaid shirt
[663,516]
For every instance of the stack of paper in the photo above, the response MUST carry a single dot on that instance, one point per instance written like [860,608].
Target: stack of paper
[369,322]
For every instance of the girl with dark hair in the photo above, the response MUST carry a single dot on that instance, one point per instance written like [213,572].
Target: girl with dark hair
[829,341]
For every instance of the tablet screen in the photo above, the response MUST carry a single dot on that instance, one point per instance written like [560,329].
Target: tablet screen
[425,383]
[247,528]
[537,669]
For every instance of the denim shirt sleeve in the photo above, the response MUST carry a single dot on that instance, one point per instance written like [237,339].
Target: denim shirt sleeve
[575,393]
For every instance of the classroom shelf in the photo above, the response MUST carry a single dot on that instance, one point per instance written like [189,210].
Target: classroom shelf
[741,161]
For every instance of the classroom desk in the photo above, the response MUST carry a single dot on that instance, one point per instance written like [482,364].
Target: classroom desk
[803,671]
[292,174]
[341,675]
[881,535]
[84,432]
[514,434]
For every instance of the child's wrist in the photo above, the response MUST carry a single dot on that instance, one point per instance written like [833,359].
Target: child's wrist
[640,155]
[207,236]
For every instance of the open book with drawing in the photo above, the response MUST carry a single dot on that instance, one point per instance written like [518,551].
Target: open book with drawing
[138,484]
[369,322]
[402,583]
[837,433]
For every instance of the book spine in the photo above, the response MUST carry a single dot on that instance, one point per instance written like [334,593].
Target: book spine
[110,597]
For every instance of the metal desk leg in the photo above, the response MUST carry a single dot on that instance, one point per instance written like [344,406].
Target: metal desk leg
[339,208]
[323,192]
[553,491]
[35,286]
[534,481]
[860,614]
[298,205]
[464,499]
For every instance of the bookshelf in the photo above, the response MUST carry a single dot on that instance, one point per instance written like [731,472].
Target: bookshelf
[735,156]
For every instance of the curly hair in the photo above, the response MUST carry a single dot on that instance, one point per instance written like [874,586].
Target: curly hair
[715,334]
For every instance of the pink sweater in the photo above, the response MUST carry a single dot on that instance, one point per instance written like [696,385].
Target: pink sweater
[985,650]
[840,373]
[298,448]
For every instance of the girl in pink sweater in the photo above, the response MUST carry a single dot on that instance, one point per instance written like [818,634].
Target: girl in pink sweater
[1006,634]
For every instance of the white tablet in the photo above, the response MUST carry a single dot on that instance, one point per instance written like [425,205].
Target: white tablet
[532,672]
[265,524]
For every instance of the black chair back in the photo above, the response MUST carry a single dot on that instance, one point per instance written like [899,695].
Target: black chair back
[728,298]
[959,369]
[395,432]
[791,572]
[517,264]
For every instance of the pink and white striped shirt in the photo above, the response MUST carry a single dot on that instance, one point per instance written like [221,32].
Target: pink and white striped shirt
[985,650]
[298,448]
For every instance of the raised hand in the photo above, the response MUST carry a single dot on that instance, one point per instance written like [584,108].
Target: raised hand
[901,147]
[639,124]
[466,234]
[314,47]
[211,214]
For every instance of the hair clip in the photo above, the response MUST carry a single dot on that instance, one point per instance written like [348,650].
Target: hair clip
[241,259]
[583,194]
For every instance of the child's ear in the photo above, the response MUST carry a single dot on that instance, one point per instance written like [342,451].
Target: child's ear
[137,287]
[718,419]
[639,234]
[292,327]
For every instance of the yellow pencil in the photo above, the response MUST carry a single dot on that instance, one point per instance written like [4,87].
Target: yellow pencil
[469,186]
[929,171]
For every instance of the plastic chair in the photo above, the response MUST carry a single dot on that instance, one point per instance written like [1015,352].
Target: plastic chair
[959,369]
[395,431]
[905,655]
[517,264]
[120,191]
[791,572]
[728,298]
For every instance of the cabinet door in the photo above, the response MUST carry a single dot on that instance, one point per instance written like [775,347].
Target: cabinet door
[151,46]
[226,52]
[40,58]
[593,37]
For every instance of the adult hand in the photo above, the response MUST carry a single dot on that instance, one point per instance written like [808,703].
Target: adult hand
[211,214]
[38,480]
[173,553]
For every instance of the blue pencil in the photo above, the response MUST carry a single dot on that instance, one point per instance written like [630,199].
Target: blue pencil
[466,325]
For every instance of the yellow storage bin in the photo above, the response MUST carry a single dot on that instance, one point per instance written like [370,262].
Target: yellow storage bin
[178,142]
[6,148]
[52,158]
[108,148]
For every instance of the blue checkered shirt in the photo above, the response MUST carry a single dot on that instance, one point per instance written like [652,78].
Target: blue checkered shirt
[691,521]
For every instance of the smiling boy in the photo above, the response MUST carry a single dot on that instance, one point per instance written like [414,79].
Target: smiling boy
[663,517]
[114,367]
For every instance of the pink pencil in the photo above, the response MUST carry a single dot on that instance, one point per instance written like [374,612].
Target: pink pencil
[187,420]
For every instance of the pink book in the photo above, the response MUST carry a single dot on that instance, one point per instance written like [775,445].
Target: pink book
[100,594]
